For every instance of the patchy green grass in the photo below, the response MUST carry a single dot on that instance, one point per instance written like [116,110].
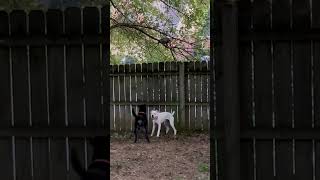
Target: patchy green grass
[184,133]
[203,168]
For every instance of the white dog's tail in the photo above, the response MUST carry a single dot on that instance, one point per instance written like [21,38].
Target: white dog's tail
[172,113]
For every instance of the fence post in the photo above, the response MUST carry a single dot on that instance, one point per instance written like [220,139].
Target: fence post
[182,106]
[231,112]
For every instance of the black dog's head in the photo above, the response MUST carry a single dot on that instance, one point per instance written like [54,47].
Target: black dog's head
[143,108]
[140,123]
[141,119]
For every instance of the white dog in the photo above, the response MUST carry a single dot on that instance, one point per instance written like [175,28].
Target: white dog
[161,117]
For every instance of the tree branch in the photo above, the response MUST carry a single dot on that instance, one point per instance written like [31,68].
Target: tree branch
[116,7]
[148,27]
[165,3]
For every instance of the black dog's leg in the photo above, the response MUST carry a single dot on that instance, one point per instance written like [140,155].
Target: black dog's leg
[135,135]
[146,134]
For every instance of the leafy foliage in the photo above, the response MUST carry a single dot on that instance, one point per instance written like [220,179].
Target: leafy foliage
[19,4]
[159,30]
[148,30]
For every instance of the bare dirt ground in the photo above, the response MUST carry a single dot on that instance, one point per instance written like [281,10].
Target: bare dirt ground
[164,158]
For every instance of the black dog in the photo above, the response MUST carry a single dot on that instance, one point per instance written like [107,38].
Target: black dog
[97,170]
[141,122]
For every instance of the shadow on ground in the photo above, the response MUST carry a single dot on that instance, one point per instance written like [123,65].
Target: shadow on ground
[167,158]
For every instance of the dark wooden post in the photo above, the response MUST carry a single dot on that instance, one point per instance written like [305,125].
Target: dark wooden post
[231,108]
[182,105]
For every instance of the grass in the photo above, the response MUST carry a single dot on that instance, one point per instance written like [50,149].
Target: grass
[203,168]
[184,133]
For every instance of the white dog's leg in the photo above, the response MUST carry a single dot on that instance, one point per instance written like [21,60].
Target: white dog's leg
[159,127]
[153,126]
[172,125]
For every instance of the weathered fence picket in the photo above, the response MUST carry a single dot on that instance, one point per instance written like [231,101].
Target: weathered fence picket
[166,86]
[51,78]
[278,89]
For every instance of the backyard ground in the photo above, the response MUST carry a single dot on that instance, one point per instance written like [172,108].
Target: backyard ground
[164,158]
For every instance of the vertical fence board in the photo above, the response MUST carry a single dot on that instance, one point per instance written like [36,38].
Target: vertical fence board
[168,87]
[74,70]
[56,70]
[175,91]
[5,104]
[93,67]
[161,82]
[204,96]
[5,91]
[264,159]
[246,109]
[317,159]
[20,71]
[93,86]
[282,106]
[38,76]
[4,23]
[122,89]
[58,159]
[41,159]
[112,97]
[150,93]
[302,89]
[133,92]
[284,160]
[104,14]
[198,93]
[20,86]
[56,94]
[187,123]
[192,95]
[303,160]
[23,158]
[6,164]
[282,88]
[21,98]
[247,161]
[263,84]
[302,84]
[127,99]
[316,83]
[148,68]
[246,70]
[156,85]
[117,97]
[39,108]
[263,89]
[144,68]
[162,88]
[282,84]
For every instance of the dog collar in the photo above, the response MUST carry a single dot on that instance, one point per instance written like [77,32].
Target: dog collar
[102,160]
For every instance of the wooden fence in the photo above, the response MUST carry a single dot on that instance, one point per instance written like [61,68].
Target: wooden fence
[166,86]
[53,92]
[267,52]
